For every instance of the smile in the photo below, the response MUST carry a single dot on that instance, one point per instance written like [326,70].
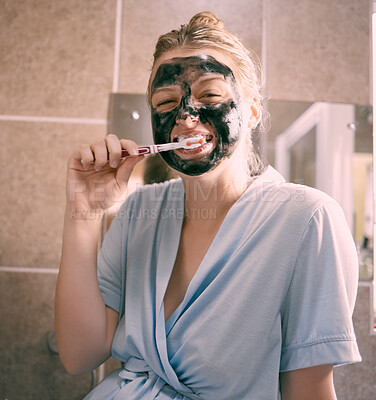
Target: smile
[207,146]
[207,137]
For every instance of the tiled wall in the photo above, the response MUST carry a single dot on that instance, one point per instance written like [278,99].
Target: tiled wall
[28,370]
[318,50]
[358,381]
[59,61]
[145,20]
[56,72]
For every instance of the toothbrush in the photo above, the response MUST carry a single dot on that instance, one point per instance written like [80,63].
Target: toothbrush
[188,143]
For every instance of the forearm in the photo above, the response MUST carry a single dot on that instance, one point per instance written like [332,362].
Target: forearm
[84,325]
[308,384]
[80,313]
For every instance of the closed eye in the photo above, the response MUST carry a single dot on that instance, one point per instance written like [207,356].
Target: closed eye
[162,103]
[166,98]
[210,98]
[211,95]
[166,105]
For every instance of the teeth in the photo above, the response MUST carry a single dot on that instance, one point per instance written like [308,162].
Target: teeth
[183,137]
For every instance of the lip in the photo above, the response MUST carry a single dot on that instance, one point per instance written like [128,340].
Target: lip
[202,150]
[190,133]
[197,152]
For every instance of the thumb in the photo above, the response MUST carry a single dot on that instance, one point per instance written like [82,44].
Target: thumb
[125,169]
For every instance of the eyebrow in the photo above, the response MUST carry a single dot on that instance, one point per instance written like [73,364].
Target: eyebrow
[206,78]
[201,79]
[171,88]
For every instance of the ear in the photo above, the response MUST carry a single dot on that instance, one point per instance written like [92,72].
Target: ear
[255,113]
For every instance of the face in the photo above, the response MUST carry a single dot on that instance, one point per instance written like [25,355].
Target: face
[194,96]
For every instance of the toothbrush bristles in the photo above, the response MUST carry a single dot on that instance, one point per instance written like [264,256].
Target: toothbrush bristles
[200,141]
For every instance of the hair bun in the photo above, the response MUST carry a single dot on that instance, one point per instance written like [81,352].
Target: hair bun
[206,18]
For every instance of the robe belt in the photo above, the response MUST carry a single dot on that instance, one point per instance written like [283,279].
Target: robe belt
[137,368]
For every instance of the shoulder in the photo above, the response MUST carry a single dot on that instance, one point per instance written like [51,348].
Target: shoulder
[301,198]
[273,196]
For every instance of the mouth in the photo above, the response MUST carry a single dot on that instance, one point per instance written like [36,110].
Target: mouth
[207,140]
[207,137]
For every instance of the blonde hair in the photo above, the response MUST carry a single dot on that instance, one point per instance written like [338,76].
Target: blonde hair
[206,30]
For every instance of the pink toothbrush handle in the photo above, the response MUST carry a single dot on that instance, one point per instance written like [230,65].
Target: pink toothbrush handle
[141,150]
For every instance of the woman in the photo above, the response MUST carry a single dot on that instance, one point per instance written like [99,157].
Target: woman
[227,283]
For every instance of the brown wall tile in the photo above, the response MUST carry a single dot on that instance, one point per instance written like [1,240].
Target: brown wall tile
[33,158]
[358,381]
[144,21]
[56,57]
[319,50]
[28,369]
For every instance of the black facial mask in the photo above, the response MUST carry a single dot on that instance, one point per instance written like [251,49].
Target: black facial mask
[225,118]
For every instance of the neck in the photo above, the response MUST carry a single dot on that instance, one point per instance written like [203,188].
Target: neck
[213,193]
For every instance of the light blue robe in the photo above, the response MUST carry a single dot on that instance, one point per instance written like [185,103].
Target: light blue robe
[274,292]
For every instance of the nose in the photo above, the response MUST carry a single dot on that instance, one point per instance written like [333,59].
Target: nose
[187,112]
[189,121]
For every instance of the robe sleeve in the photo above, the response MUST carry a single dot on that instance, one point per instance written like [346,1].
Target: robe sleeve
[317,313]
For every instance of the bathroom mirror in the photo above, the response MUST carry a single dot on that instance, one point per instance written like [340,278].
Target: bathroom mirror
[129,117]
[330,147]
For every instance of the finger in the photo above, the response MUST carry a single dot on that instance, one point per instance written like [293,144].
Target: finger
[114,150]
[83,156]
[130,146]
[126,168]
[100,154]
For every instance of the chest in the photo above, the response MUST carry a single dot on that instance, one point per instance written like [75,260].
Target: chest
[194,244]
